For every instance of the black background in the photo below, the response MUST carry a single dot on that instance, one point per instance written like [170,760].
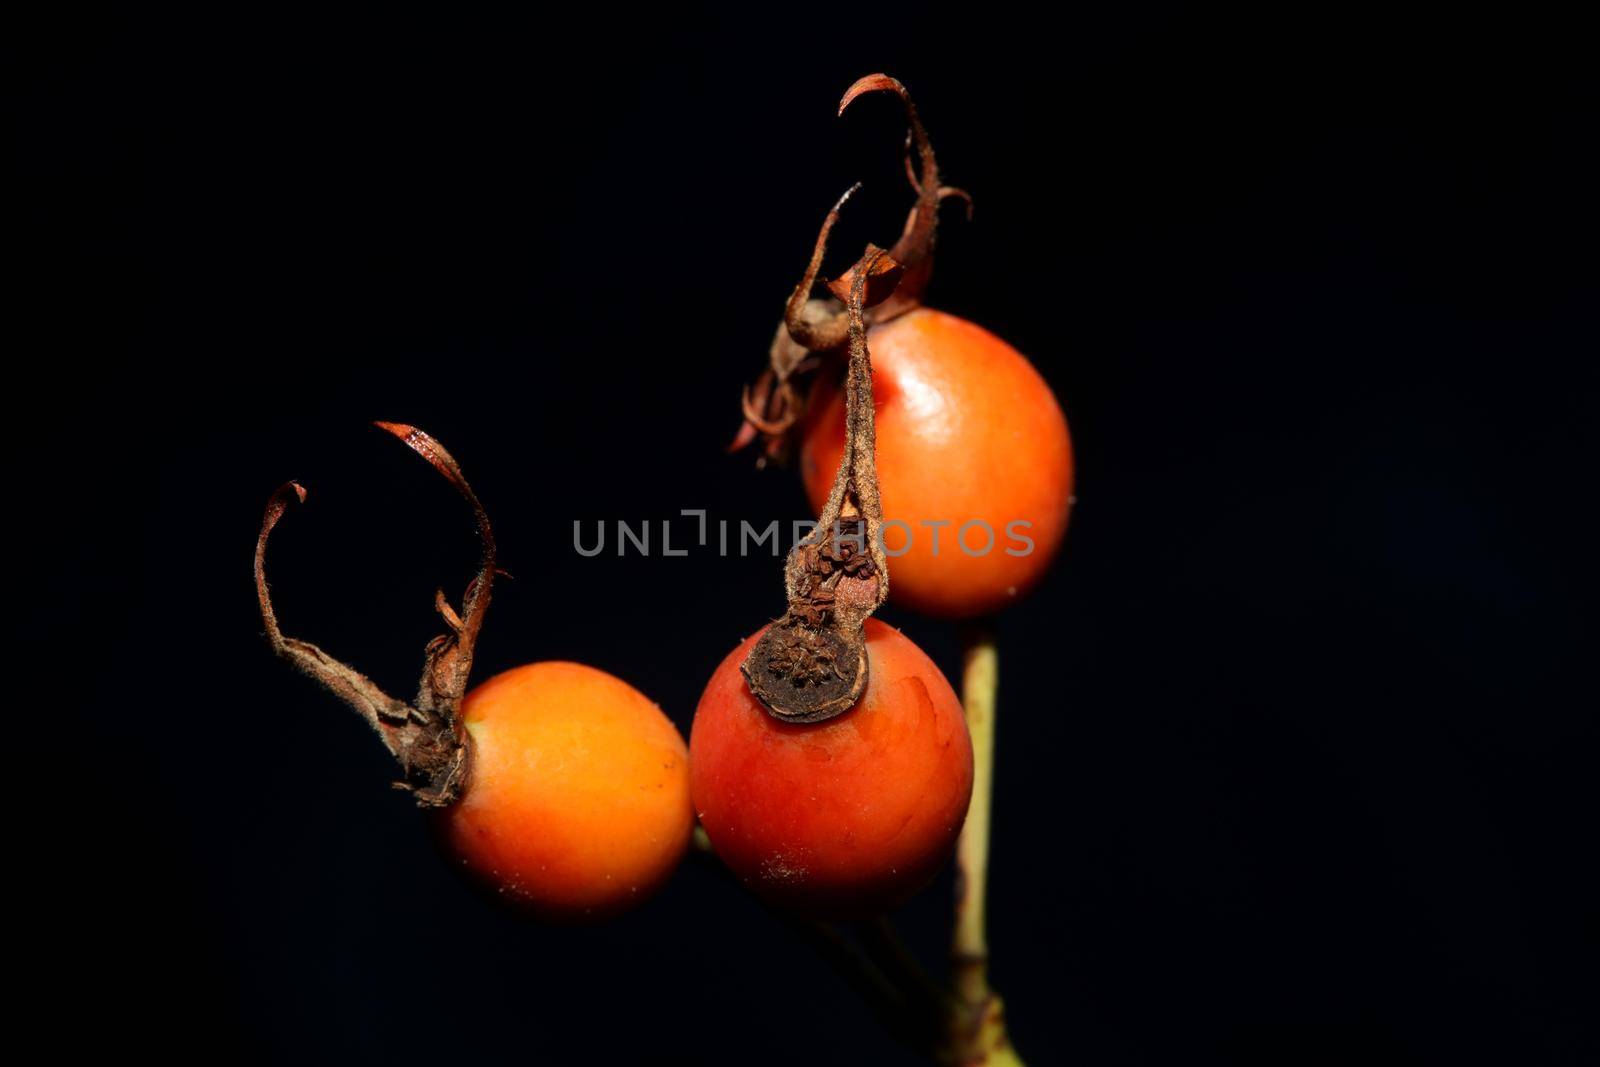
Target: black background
[1296,757]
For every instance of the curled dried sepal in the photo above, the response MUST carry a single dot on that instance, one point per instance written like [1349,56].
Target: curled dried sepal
[382,712]
[812,332]
[773,405]
[426,736]
[811,664]
[914,250]
[882,276]
[444,678]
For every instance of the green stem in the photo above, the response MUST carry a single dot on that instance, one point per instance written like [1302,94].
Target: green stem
[976,1024]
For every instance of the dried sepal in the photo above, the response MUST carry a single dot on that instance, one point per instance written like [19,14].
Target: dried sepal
[449,658]
[775,403]
[914,249]
[381,711]
[811,665]
[426,736]
[807,332]
[882,275]
[772,405]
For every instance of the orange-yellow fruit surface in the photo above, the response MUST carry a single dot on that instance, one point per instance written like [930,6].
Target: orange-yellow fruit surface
[577,801]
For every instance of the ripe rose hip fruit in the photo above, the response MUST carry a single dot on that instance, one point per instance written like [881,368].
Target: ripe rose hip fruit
[577,798]
[557,785]
[974,459]
[969,435]
[845,817]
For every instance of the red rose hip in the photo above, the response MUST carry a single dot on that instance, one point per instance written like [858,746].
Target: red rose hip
[844,817]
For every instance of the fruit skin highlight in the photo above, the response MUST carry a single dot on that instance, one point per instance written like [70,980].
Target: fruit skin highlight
[577,799]
[847,817]
[967,429]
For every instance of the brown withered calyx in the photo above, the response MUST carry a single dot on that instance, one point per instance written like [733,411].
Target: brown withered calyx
[811,664]
[814,330]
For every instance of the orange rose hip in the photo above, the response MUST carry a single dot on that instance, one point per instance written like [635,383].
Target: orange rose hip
[556,784]
[968,432]
[577,798]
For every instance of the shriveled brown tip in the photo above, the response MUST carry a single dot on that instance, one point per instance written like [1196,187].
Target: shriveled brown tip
[423,444]
[845,199]
[419,441]
[276,504]
[873,83]
[742,439]
[946,192]
[883,276]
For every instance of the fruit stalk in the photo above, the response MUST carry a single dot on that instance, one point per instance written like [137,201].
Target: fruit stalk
[977,1031]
